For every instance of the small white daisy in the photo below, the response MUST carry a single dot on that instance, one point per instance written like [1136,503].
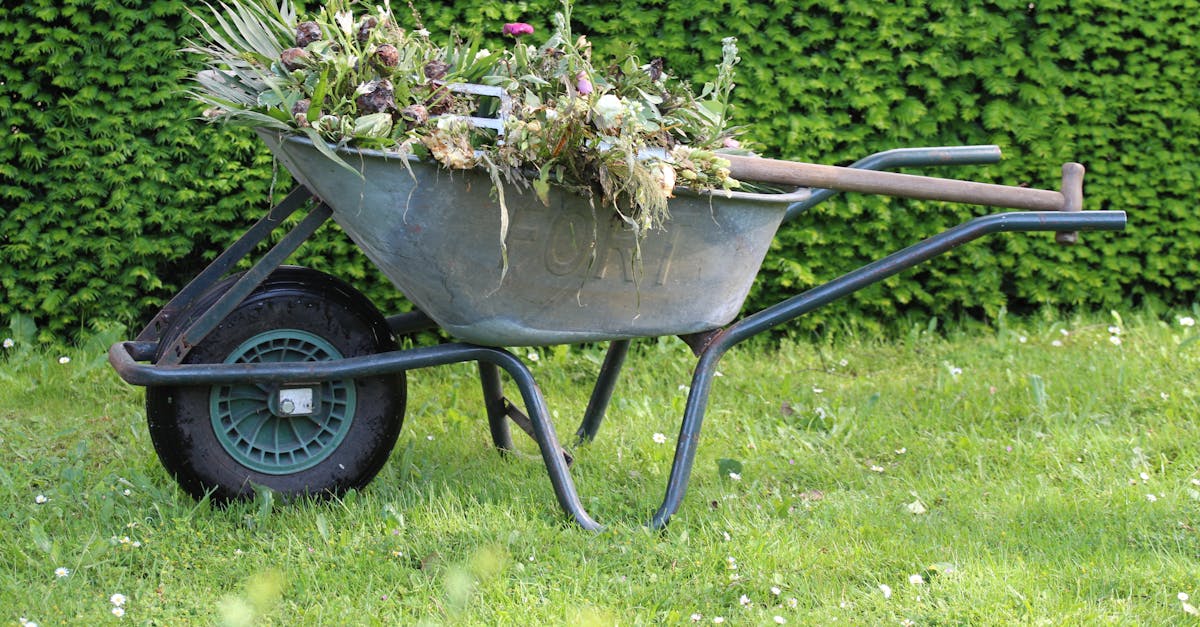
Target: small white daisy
[1114,329]
[776,591]
[1056,343]
[696,617]
[745,600]
[1152,498]
[1186,321]
[718,619]
[779,620]
[61,572]
[1022,339]
[1182,596]
[64,360]
[533,356]
[117,599]
[660,438]
[916,579]
[886,590]
[40,499]
[118,611]
[9,343]
[1115,339]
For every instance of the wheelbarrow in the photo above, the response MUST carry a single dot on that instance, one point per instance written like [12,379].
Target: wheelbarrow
[289,378]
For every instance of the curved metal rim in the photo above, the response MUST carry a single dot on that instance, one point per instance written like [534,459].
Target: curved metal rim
[788,198]
[254,435]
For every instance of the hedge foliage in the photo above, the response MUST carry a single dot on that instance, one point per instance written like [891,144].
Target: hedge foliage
[112,195]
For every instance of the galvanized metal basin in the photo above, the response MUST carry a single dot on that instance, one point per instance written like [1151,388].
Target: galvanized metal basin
[574,273]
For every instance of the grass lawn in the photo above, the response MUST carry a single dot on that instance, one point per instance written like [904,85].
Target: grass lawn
[1035,471]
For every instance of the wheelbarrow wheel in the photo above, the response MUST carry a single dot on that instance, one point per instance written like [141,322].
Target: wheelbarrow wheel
[300,438]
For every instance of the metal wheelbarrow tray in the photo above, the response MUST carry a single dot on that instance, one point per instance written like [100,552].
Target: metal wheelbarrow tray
[289,378]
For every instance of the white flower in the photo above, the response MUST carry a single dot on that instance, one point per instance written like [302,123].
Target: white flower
[8,342]
[1056,343]
[1022,339]
[886,590]
[39,499]
[1186,321]
[118,611]
[484,52]
[916,507]
[696,617]
[1182,596]
[1144,476]
[345,21]
[745,600]
[718,619]
[776,591]
[779,620]
[1190,609]
[817,390]
[64,360]
[664,175]
[793,602]
[533,356]
[421,32]
[660,438]
[916,579]
[1152,498]
[955,371]
[26,622]
[843,363]
[1115,339]
[1064,332]
[61,572]
[1114,329]
[127,492]
[875,468]
[735,476]
[117,599]
[608,110]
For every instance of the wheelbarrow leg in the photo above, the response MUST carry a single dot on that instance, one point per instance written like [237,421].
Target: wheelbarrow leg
[493,400]
[543,434]
[500,411]
[602,393]
[689,435]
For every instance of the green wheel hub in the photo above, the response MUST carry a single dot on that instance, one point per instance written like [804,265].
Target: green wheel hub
[247,419]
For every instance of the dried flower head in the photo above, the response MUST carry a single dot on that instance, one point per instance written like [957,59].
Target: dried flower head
[306,33]
[387,55]
[294,58]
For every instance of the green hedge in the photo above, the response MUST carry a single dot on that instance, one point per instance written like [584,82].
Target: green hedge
[112,195]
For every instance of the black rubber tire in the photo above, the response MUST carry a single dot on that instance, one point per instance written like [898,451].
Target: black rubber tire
[302,303]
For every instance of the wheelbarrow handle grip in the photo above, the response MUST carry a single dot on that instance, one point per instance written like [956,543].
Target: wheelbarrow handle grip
[1072,191]
[902,185]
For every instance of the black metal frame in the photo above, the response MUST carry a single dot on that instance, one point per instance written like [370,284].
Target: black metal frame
[709,347]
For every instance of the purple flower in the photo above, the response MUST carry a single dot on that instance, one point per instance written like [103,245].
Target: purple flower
[517,29]
[583,84]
